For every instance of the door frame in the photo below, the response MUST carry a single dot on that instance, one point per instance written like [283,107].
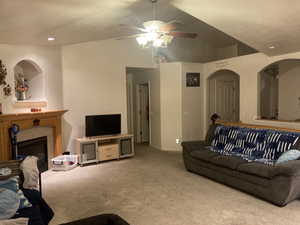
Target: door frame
[138,115]
[130,108]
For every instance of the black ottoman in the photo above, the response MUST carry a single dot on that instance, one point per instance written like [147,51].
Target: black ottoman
[104,219]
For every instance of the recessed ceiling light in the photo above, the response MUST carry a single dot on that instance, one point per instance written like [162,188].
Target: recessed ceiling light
[51,38]
[271,47]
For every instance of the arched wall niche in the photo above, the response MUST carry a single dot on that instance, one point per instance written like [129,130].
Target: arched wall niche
[223,94]
[29,82]
[278,91]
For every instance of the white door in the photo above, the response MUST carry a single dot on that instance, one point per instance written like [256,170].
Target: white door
[144,112]
[224,97]
[226,100]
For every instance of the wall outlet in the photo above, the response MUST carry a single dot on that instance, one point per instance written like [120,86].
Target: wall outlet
[177,141]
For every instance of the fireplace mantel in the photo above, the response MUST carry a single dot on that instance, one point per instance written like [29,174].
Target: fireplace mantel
[27,121]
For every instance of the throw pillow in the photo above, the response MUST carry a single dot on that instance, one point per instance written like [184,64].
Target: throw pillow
[9,204]
[13,185]
[30,172]
[292,154]
[19,221]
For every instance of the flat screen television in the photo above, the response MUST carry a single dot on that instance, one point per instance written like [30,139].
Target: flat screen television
[97,125]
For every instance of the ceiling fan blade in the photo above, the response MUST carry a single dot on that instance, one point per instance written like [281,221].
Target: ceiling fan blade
[179,34]
[126,26]
[169,26]
[128,37]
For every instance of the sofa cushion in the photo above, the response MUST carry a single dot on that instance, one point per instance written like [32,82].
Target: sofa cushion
[290,168]
[257,169]
[204,154]
[231,162]
[198,165]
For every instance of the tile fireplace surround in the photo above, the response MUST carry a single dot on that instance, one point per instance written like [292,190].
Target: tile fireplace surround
[27,121]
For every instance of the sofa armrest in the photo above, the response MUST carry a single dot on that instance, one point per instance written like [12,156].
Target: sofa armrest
[289,168]
[189,146]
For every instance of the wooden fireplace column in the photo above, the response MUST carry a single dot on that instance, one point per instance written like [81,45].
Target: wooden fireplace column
[27,121]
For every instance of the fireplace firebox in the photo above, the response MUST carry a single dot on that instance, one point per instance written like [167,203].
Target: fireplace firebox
[35,147]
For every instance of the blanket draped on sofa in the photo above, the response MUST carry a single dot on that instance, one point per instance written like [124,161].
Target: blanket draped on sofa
[258,145]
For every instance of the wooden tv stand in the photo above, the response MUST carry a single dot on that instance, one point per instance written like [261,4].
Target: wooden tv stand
[103,148]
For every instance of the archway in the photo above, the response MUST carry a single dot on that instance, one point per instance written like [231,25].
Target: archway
[224,95]
[29,81]
[278,91]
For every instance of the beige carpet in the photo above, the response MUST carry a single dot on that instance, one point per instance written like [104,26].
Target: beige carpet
[154,188]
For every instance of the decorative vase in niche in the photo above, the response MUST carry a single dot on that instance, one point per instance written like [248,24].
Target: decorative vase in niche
[21,96]
[21,87]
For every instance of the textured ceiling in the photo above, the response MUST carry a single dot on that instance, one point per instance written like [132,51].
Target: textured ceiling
[75,21]
[260,24]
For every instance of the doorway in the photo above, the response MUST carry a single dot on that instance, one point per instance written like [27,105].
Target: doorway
[278,91]
[138,83]
[143,112]
[224,95]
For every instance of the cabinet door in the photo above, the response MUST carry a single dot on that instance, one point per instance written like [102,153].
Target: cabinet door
[88,152]
[126,147]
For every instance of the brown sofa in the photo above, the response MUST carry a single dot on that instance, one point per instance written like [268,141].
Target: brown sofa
[279,184]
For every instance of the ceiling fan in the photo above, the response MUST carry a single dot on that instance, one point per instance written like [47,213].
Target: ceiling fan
[159,34]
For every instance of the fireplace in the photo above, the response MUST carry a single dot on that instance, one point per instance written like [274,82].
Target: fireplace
[35,147]
[46,119]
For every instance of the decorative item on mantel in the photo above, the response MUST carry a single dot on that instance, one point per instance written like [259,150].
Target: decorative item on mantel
[3,74]
[35,110]
[21,87]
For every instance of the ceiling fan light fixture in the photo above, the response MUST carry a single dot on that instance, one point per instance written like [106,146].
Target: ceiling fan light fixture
[158,43]
[142,40]
[152,36]
[153,25]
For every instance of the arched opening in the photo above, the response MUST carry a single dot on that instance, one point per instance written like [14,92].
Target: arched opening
[279,93]
[224,95]
[29,81]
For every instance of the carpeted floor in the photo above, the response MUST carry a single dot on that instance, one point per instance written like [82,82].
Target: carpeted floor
[153,188]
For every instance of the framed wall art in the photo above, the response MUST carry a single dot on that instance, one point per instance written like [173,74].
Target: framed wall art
[193,79]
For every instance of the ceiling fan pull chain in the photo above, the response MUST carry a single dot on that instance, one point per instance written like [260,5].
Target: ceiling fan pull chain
[154,2]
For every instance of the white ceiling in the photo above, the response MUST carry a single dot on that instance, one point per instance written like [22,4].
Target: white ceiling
[75,21]
[258,23]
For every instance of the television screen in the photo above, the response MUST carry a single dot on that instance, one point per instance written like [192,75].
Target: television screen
[97,125]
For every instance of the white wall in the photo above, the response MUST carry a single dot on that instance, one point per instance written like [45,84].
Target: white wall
[192,104]
[171,105]
[94,81]
[189,50]
[48,59]
[289,90]
[181,106]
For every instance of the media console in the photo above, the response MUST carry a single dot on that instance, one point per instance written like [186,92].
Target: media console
[103,148]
